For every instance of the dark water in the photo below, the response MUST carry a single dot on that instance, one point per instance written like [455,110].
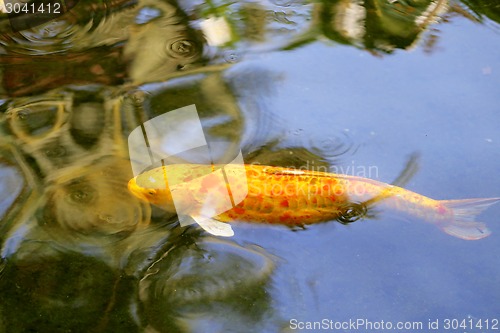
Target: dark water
[356,86]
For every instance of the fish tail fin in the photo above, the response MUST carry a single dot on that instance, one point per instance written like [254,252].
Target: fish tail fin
[464,214]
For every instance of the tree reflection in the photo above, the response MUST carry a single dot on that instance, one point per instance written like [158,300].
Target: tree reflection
[85,248]
[118,42]
[64,292]
[206,280]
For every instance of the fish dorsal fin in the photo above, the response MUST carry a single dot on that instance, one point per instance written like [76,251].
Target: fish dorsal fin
[214,227]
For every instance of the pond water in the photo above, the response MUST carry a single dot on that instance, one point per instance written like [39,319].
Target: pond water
[354,86]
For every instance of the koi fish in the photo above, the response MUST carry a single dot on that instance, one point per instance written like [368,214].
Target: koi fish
[295,198]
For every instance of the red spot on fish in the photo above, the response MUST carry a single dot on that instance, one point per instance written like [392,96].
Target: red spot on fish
[441,210]
[252,173]
[239,210]
[326,187]
[284,203]
[285,217]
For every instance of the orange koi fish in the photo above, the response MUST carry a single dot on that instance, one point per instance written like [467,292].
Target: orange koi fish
[295,198]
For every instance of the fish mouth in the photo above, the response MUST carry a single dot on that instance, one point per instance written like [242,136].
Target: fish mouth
[135,190]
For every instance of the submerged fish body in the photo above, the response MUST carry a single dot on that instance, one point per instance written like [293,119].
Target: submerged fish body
[297,197]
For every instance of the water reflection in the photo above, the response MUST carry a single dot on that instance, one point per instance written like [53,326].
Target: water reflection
[78,174]
[79,252]
[150,41]
[209,280]
[94,201]
[61,292]
[163,45]
[11,185]
[68,147]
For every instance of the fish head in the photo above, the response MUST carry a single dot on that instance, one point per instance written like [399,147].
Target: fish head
[159,196]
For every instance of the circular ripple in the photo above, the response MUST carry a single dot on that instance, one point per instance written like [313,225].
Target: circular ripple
[333,147]
[232,56]
[52,37]
[212,270]
[183,48]
[352,212]
[95,202]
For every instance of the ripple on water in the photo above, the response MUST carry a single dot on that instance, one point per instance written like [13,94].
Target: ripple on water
[213,270]
[232,56]
[52,37]
[75,31]
[94,201]
[37,119]
[181,47]
[333,147]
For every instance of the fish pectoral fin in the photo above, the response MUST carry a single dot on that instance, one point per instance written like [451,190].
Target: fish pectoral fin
[214,227]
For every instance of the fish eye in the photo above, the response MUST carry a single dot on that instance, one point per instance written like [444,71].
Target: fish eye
[151,192]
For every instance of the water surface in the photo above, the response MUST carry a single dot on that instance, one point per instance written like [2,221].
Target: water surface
[354,86]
